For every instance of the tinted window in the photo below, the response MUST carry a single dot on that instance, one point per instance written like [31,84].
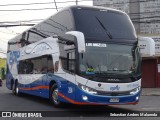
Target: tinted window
[71,61]
[57,24]
[97,24]
[12,47]
[22,67]
[67,58]
[33,37]
[50,64]
[15,43]
[39,65]
[63,56]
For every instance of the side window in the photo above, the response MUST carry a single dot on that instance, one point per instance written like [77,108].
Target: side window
[21,67]
[63,56]
[33,37]
[44,65]
[63,20]
[68,61]
[37,62]
[39,65]
[57,24]
[13,46]
[23,39]
[71,61]
[50,64]
[29,67]
[16,43]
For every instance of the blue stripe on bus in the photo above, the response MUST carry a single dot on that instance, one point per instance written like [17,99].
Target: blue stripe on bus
[40,87]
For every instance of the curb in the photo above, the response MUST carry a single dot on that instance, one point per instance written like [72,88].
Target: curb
[150,92]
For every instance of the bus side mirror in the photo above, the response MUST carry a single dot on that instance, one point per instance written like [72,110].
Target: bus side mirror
[147,46]
[80,40]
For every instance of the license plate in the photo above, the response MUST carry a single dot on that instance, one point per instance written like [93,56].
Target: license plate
[114,100]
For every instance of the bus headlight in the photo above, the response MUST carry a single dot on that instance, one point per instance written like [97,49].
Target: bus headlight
[87,89]
[134,91]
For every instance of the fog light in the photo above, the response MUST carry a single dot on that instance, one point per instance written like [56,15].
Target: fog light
[85,98]
[137,98]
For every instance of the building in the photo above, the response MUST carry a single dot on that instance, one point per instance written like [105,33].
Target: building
[143,13]
[150,17]
[145,17]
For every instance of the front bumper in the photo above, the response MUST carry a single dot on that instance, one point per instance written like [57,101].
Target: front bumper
[83,98]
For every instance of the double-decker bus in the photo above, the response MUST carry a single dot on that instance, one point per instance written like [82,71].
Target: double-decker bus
[81,55]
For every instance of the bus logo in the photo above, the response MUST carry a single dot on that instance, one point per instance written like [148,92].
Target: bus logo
[14,55]
[115,88]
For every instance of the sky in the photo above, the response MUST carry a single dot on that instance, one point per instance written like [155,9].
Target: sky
[6,16]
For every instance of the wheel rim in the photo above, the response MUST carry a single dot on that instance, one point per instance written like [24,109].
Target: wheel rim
[55,96]
[17,90]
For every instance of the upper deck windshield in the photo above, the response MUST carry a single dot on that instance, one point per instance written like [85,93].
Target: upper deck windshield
[104,24]
[109,60]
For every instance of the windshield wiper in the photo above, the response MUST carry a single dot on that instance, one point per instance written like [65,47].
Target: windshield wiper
[107,32]
[118,70]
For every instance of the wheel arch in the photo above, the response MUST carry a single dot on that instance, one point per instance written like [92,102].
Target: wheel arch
[16,80]
[52,82]
[12,82]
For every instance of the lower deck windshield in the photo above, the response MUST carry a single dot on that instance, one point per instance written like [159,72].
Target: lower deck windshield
[102,58]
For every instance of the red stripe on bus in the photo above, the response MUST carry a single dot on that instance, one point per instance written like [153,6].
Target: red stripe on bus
[35,88]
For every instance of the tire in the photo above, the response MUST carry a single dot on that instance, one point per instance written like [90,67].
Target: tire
[15,89]
[53,96]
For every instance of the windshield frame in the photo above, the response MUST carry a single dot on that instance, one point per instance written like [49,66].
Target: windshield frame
[135,74]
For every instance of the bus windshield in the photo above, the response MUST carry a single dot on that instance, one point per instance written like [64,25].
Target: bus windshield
[104,24]
[108,58]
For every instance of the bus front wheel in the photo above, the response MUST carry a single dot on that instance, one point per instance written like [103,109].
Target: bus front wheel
[54,96]
[15,89]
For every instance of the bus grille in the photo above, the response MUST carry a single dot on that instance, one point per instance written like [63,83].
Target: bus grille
[123,93]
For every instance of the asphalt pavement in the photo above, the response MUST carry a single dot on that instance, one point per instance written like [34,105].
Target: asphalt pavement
[149,101]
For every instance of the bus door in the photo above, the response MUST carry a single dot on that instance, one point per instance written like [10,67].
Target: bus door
[70,74]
